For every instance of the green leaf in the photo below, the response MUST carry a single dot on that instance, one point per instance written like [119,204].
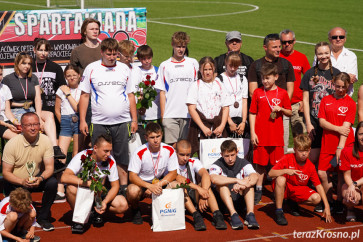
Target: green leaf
[147,95]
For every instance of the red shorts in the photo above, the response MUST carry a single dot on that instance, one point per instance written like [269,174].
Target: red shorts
[298,194]
[263,154]
[324,163]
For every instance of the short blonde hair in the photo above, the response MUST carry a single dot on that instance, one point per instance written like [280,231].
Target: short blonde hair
[302,142]
[126,46]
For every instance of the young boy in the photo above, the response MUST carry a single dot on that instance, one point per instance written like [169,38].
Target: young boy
[231,173]
[139,74]
[18,213]
[175,75]
[147,167]
[269,104]
[201,195]
[127,50]
[292,174]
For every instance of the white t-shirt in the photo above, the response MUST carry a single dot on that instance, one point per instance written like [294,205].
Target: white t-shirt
[237,90]
[209,97]
[6,208]
[76,166]
[109,87]
[143,162]
[5,95]
[195,165]
[175,79]
[245,171]
[138,75]
[66,108]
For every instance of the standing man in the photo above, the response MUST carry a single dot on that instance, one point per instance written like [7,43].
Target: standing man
[300,64]
[23,148]
[342,58]
[234,43]
[106,80]
[286,79]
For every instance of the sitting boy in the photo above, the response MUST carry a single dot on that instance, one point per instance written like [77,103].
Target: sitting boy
[148,165]
[18,214]
[101,152]
[292,174]
[197,194]
[231,173]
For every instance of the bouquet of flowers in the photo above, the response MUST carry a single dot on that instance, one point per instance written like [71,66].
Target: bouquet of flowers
[184,185]
[90,171]
[145,95]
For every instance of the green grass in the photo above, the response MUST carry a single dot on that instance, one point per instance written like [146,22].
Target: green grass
[311,20]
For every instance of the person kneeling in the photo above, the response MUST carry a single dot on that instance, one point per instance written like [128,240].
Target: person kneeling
[201,195]
[231,173]
[292,174]
[101,152]
[18,215]
[147,167]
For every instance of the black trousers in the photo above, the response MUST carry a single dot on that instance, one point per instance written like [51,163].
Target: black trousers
[49,186]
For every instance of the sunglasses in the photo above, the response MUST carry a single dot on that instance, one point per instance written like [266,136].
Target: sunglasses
[336,37]
[288,41]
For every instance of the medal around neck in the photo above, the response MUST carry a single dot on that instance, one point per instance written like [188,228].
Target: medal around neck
[26,105]
[273,115]
[236,104]
[30,167]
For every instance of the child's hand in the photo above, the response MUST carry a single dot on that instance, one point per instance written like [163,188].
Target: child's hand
[232,127]
[326,215]
[206,131]
[241,128]
[254,139]
[292,172]
[65,89]
[276,109]
[218,131]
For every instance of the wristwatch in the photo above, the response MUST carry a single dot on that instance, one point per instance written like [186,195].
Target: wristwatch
[355,184]
[67,95]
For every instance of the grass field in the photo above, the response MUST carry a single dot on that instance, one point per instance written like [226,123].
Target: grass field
[208,21]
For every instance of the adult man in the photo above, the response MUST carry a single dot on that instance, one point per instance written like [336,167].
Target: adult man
[272,46]
[300,64]
[148,166]
[31,149]
[101,153]
[342,58]
[106,80]
[234,43]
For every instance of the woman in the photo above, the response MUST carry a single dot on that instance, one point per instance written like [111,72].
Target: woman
[336,116]
[50,77]
[208,105]
[352,166]
[316,84]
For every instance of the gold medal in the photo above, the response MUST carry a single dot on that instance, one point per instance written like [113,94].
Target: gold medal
[236,104]
[273,115]
[74,118]
[26,105]
[41,90]
[155,180]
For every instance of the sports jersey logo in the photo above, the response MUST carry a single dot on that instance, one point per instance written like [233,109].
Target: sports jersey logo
[82,78]
[111,83]
[343,109]
[178,66]
[181,79]
[303,177]
[276,101]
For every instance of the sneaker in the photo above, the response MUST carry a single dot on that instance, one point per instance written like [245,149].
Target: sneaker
[96,219]
[77,228]
[338,207]
[136,216]
[198,222]
[251,221]
[236,222]
[258,195]
[58,154]
[319,208]
[280,218]
[35,239]
[46,225]
[60,199]
[218,220]
[294,207]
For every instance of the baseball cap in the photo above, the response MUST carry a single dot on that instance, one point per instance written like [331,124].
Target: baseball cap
[233,35]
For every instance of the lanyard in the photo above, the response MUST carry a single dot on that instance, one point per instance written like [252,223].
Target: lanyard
[26,86]
[234,92]
[41,77]
[156,164]
[277,93]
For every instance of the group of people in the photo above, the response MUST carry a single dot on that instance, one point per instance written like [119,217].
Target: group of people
[93,101]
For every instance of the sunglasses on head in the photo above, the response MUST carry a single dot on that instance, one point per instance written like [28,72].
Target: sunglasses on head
[288,41]
[336,37]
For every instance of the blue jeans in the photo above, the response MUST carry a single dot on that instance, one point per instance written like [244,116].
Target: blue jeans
[18,112]
[67,127]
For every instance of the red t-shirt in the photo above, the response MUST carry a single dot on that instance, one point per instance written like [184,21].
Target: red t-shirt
[349,162]
[270,132]
[300,64]
[308,171]
[336,112]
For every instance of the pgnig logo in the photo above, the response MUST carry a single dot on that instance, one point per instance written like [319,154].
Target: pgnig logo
[168,211]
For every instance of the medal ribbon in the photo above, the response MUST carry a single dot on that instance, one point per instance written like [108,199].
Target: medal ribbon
[277,93]
[41,77]
[234,92]
[156,164]
[26,86]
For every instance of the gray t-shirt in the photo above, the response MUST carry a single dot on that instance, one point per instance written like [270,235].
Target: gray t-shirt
[18,88]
